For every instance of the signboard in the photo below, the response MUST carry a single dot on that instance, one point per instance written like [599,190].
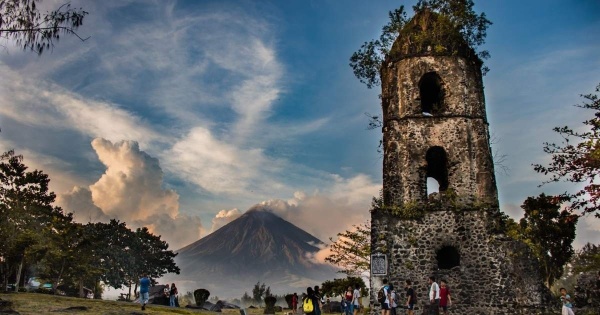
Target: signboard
[379,265]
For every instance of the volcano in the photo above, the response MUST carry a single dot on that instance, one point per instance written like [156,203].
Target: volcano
[259,246]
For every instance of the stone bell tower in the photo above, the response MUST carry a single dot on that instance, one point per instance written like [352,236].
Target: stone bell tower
[435,127]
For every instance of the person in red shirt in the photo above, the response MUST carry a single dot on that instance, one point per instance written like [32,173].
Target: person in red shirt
[294,302]
[445,299]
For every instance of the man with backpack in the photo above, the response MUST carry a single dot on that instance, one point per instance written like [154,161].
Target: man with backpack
[310,302]
[384,297]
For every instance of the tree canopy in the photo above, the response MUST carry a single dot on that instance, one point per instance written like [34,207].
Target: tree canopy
[577,159]
[352,249]
[21,21]
[39,236]
[548,231]
[454,27]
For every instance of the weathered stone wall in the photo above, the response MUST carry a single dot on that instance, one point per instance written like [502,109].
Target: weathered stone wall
[460,128]
[496,275]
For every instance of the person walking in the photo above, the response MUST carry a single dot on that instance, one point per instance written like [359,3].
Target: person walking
[445,298]
[356,298]
[144,288]
[410,298]
[172,295]
[434,297]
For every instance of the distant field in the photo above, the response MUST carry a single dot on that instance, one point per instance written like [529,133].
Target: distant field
[33,304]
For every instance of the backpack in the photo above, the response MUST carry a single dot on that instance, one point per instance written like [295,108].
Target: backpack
[307,305]
[381,295]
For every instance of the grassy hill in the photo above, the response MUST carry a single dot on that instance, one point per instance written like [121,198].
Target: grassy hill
[33,303]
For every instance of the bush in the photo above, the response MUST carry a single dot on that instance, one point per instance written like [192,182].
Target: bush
[201,295]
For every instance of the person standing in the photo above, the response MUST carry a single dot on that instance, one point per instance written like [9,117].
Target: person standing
[385,306]
[567,307]
[172,295]
[445,298]
[434,297]
[312,299]
[317,295]
[410,298]
[393,303]
[348,301]
[356,298]
[294,302]
[144,288]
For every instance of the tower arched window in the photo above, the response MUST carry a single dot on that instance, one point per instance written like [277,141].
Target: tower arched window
[437,166]
[431,93]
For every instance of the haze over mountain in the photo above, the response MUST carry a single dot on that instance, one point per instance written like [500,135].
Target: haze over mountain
[258,246]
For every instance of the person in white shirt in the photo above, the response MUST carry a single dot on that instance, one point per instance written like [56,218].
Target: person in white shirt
[356,298]
[385,307]
[393,304]
[434,297]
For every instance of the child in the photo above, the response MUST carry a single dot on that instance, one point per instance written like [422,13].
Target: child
[445,299]
[566,302]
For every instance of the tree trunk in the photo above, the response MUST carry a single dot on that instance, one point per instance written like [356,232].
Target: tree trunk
[135,289]
[19,273]
[55,286]
[4,276]
[81,294]
[129,295]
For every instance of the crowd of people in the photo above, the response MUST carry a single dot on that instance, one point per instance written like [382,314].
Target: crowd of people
[439,297]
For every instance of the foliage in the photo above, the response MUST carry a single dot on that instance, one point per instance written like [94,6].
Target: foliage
[259,292]
[587,258]
[548,231]
[270,304]
[337,287]
[455,23]
[246,299]
[21,21]
[352,249]
[36,235]
[201,296]
[26,214]
[577,159]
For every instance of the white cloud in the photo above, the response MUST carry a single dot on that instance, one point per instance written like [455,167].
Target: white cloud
[324,214]
[223,217]
[131,190]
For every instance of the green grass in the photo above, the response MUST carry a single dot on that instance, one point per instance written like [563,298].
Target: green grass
[35,303]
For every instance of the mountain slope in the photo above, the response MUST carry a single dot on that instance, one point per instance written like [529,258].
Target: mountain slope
[258,246]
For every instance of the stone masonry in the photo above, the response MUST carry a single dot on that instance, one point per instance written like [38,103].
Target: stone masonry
[435,126]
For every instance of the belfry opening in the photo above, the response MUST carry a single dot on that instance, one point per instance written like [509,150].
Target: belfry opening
[431,93]
[437,167]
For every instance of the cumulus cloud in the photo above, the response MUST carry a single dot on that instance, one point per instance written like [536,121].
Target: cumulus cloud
[324,214]
[79,202]
[223,217]
[131,190]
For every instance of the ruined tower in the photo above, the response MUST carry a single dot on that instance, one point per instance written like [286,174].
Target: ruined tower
[435,126]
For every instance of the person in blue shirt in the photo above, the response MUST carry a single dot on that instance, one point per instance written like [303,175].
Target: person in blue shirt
[567,307]
[144,288]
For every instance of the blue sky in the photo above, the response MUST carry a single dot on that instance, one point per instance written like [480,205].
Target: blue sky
[226,104]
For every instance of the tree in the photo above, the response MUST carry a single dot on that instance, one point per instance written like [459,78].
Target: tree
[352,249]
[548,231]
[20,20]
[587,258]
[246,299]
[26,213]
[259,291]
[577,159]
[456,22]
[338,287]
